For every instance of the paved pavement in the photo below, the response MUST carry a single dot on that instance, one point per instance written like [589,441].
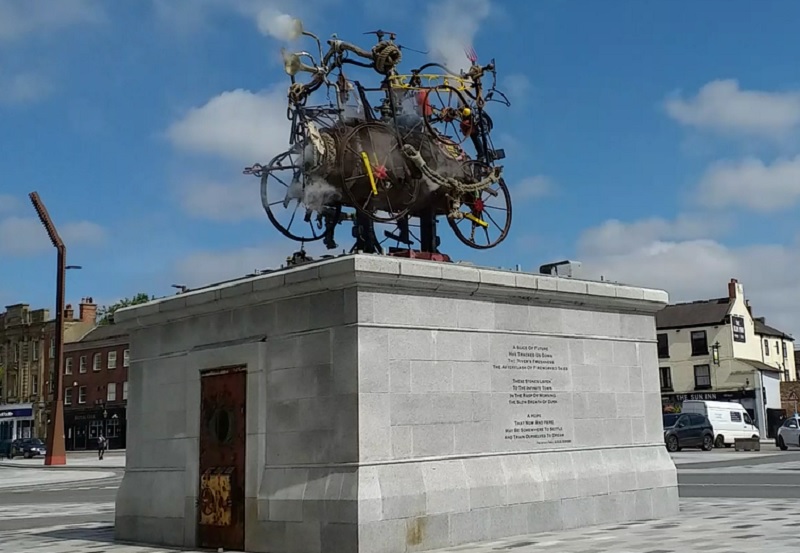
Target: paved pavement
[730,501]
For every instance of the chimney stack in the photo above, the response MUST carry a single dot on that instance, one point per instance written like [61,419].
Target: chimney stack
[732,288]
[69,313]
[88,311]
[750,309]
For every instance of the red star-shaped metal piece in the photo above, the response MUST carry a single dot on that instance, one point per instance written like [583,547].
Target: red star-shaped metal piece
[380,172]
[478,205]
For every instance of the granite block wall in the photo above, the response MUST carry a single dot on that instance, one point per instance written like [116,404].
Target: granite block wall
[401,405]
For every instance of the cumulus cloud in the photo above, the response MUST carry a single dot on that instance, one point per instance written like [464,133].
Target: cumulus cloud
[19,18]
[722,106]
[752,184]
[617,237]
[26,236]
[450,28]
[238,125]
[698,268]
[202,268]
[531,188]
[222,201]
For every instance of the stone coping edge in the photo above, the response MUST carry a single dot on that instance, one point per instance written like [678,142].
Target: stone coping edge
[396,275]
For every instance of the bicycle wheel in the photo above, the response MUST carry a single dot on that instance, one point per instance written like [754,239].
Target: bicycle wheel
[486,215]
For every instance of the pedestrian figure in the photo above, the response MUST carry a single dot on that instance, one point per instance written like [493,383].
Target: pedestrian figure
[101,446]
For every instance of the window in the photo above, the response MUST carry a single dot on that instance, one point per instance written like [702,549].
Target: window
[35,348]
[666,378]
[95,428]
[52,347]
[663,346]
[747,418]
[97,362]
[112,360]
[111,393]
[82,364]
[68,365]
[112,428]
[125,391]
[699,342]
[702,377]
[35,385]
[766,347]
[696,420]
[68,396]
[736,416]
[783,345]
[82,395]
[126,358]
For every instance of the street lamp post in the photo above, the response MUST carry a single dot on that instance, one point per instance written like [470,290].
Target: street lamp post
[56,449]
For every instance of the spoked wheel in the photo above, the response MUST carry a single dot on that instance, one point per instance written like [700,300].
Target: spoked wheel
[376,173]
[708,443]
[487,214]
[447,113]
[297,207]
[672,444]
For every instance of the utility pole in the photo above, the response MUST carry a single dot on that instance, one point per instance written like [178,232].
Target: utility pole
[56,449]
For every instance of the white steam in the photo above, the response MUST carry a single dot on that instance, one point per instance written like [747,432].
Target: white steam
[278,25]
[318,193]
[451,28]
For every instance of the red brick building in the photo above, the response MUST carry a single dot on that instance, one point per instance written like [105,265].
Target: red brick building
[96,388]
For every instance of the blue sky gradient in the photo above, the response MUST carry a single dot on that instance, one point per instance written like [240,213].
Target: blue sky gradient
[656,142]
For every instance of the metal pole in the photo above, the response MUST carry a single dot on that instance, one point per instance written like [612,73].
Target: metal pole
[56,448]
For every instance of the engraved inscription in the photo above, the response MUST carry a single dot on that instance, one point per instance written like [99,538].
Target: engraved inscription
[532,394]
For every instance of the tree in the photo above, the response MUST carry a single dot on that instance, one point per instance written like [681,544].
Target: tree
[106,313]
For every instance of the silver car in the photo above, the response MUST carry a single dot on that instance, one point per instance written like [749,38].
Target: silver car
[789,433]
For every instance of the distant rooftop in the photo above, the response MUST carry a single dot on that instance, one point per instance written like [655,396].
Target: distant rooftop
[691,314]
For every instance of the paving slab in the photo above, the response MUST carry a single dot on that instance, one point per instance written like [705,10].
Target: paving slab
[12,477]
[707,525]
[73,460]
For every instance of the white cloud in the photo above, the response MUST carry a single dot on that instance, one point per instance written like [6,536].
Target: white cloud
[752,184]
[19,18]
[450,28]
[531,188]
[617,237]
[223,202]
[24,88]
[26,235]
[239,125]
[697,269]
[723,107]
[207,267]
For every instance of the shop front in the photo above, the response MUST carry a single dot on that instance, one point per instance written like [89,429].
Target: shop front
[83,427]
[17,421]
[671,403]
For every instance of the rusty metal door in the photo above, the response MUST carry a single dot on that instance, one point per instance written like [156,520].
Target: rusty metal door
[223,394]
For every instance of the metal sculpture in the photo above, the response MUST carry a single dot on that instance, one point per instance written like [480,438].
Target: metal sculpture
[422,150]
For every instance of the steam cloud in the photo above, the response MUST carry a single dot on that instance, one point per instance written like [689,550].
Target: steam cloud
[318,193]
[276,24]
[451,28]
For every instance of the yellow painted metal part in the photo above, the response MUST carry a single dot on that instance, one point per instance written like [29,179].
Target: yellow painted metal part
[475,220]
[215,498]
[430,81]
[368,167]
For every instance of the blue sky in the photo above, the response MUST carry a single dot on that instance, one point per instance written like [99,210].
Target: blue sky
[656,142]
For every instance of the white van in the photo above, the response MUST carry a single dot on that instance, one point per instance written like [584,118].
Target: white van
[729,420]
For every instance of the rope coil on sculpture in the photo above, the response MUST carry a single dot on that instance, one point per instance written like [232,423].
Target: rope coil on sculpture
[448,182]
[387,56]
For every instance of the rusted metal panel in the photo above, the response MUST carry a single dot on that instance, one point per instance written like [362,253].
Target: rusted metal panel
[223,434]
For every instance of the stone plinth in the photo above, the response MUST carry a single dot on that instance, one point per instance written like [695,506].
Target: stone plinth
[401,405]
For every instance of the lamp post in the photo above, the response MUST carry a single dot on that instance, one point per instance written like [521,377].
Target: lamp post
[56,449]
[715,353]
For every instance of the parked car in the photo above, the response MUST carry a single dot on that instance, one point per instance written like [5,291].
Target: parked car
[789,433]
[27,447]
[729,420]
[5,449]
[688,430]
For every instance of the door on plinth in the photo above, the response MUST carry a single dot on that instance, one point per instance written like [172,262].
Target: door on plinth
[220,522]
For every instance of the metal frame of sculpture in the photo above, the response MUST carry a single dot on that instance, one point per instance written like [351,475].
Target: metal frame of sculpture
[403,158]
